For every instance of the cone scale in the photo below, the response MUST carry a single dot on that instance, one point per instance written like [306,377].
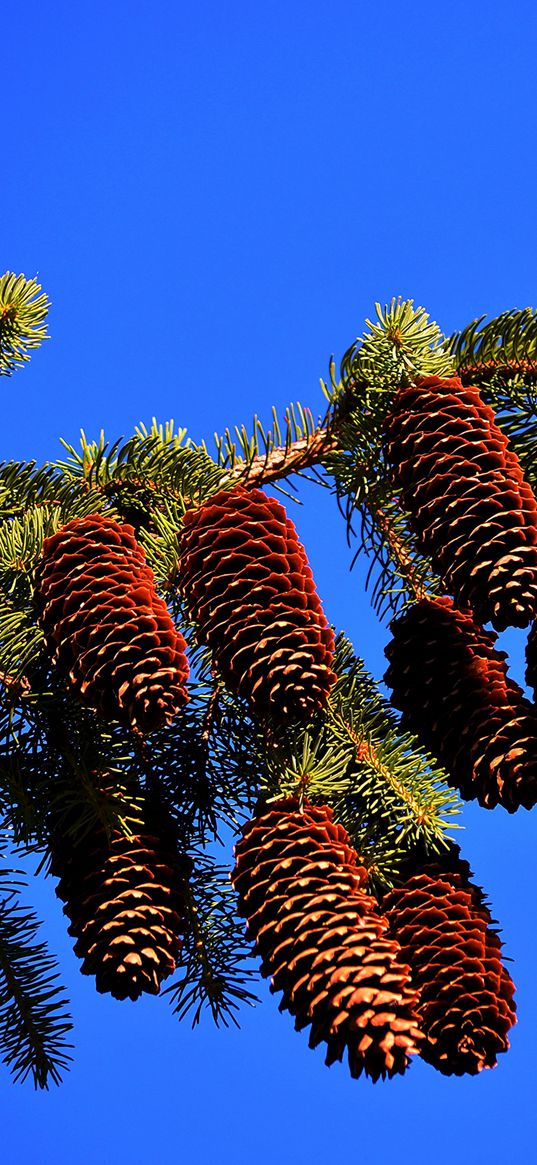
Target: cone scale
[322,940]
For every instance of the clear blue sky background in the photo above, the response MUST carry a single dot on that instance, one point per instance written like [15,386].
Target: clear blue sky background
[214,195]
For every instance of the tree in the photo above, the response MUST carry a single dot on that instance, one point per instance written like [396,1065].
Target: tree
[167,675]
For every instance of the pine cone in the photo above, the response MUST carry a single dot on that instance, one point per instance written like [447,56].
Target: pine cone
[472,510]
[110,633]
[247,584]
[443,925]
[322,939]
[452,687]
[125,899]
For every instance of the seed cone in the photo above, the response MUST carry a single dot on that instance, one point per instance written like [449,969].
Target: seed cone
[471,508]
[110,634]
[247,584]
[441,920]
[322,939]
[452,687]
[124,897]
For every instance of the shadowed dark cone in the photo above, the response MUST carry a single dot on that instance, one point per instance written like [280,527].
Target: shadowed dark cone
[469,504]
[248,586]
[441,920]
[125,900]
[110,633]
[322,940]
[452,687]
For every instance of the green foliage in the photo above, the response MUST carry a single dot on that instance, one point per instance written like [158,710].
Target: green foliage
[159,463]
[507,341]
[390,795]
[206,762]
[400,345]
[34,1021]
[23,312]
[375,520]
[214,974]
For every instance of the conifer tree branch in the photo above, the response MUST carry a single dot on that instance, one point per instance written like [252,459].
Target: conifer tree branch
[398,547]
[33,1019]
[22,320]
[366,753]
[212,972]
[285,459]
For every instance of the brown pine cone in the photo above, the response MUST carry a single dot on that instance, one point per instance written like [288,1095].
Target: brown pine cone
[322,940]
[441,920]
[124,897]
[452,687]
[247,584]
[470,507]
[110,633]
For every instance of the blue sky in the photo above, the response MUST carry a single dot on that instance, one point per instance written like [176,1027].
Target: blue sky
[214,196]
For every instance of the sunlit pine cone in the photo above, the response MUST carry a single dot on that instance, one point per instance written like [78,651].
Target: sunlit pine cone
[469,504]
[124,897]
[451,684]
[110,633]
[442,922]
[322,940]
[249,589]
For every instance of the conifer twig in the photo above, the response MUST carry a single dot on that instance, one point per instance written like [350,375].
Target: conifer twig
[285,459]
[398,550]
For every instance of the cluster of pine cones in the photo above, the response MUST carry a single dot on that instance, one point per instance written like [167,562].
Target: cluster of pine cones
[475,516]
[419,972]
[247,583]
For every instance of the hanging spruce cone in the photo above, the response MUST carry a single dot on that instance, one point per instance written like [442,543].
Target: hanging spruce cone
[444,928]
[110,634]
[472,510]
[322,939]
[248,586]
[452,687]
[124,897]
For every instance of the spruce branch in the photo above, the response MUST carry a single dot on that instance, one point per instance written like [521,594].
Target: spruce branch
[157,462]
[400,345]
[34,1022]
[371,507]
[23,312]
[206,762]
[500,357]
[288,458]
[214,975]
[388,792]
[506,345]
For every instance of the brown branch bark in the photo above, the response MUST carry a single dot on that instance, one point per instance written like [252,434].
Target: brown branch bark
[285,459]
